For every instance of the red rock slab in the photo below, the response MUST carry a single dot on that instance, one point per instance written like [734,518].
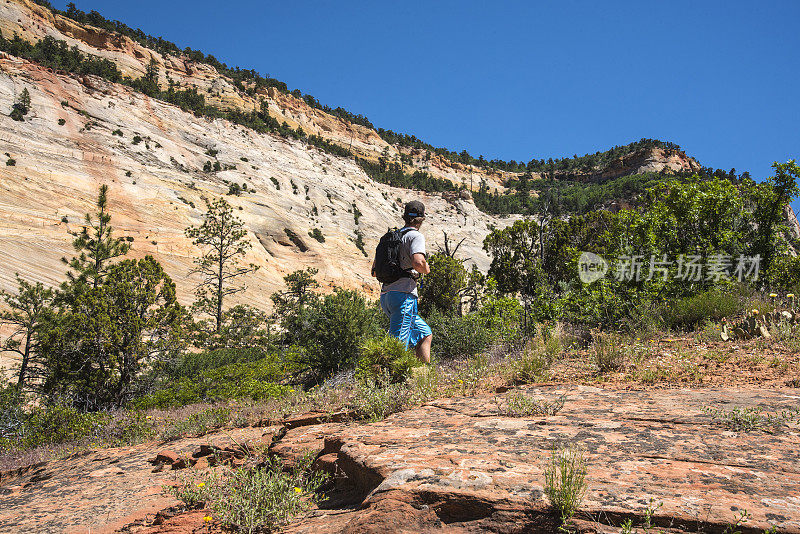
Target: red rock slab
[477,470]
[98,490]
[316,418]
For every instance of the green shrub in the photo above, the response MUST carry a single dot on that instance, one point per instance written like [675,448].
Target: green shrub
[331,329]
[609,352]
[467,335]
[190,365]
[385,354]
[12,414]
[377,397]
[241,380]
[502,316]
[441,290]
[198,423]
[53,424]
[317,234]
[690,311]
[532,364]
[565,480]
[259,499]
[136,139]
[11,162]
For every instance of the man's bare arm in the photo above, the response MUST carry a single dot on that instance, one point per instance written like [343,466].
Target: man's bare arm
[373,269]
[420,264]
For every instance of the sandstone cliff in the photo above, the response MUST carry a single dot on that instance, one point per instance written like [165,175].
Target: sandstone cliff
[156,187]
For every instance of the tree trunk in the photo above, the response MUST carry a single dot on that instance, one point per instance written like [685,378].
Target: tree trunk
[219,295]
[25,358]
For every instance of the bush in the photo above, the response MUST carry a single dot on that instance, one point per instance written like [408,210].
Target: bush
[317,234]
[385,354]
[241,380]
[532,363]
[190,365]
[454,336]
[442,287]
[12,415]
[331,329]
[49,425]
[691,311]
[565,480]
[502,316]
[377,397]
[259,499]
[609,352]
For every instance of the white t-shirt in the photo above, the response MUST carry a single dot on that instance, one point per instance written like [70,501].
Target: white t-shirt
[412,242]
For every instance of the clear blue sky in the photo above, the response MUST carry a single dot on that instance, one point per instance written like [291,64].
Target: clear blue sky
[522,79]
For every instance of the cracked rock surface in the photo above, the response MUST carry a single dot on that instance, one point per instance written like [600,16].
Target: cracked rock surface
[454,464]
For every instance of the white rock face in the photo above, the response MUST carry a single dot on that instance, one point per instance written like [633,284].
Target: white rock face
[156,188]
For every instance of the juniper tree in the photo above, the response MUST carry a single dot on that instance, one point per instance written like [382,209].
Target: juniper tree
[26,311]
[223,237]
[103,337]
[96,246]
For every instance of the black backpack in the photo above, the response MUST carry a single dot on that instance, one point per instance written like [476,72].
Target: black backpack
[387,257]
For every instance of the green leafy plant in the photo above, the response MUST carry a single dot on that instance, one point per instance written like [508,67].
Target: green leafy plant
[466,335]
[385,354]
[531,364]
[520,405]
[255,499]
[377,397]
[198,423]
[748,419]
[317,234]
[565,480]
[609,352]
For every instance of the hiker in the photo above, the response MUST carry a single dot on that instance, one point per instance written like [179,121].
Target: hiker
[400,260]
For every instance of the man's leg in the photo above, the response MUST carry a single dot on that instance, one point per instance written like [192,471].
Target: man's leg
[423,349]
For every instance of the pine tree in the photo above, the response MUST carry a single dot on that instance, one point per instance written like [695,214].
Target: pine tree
[96,245]
[223,237]
[22,106]
[25,101]
[26,311]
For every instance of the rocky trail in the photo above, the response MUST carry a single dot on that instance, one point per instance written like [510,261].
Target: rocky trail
[460,465]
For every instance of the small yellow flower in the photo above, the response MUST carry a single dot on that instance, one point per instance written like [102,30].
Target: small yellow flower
[773,295]
[460,381]
[790,296]
[149,417]
[754,311]
[291,390]
[298,490]
[207,519]
[201,484]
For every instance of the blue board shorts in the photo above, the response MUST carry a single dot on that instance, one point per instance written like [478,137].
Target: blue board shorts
[404,322]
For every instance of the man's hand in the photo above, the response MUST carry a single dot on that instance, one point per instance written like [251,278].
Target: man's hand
[420,264]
